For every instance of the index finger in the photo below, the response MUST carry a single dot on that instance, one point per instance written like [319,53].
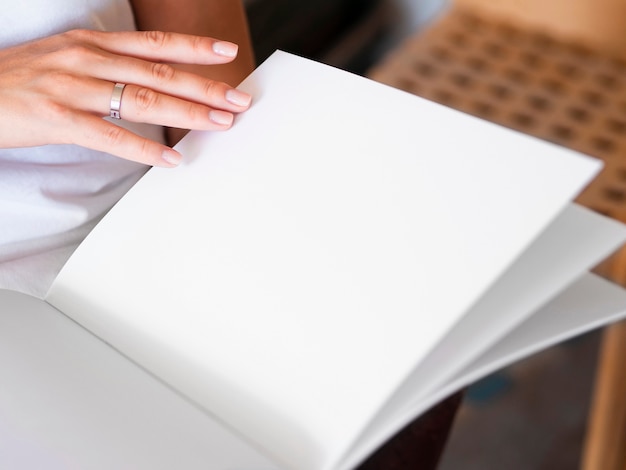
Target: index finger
[162,46]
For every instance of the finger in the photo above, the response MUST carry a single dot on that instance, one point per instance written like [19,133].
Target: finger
[98,134]
[162,46]
[168,80]
[137,104]
[140,104]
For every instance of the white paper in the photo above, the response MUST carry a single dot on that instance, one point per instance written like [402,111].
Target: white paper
[130,420]
[70,402]
[296,268]
[589,303]
[571,245]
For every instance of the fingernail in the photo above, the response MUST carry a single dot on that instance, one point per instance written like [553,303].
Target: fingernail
[226,49]
[171,157]
[237,97]
[223,118]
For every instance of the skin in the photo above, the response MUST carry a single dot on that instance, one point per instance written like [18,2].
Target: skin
[37,78]
[224,19]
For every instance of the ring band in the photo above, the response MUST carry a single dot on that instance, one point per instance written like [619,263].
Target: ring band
[116,100]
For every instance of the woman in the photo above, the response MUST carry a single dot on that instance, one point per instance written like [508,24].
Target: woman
[64,65]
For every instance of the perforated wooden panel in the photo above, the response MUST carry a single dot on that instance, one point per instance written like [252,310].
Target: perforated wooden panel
[527,80]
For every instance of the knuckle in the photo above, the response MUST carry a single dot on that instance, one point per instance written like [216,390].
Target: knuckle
[196,113]
[79,35]
[71,49]
[146,99]
[211,88]
[113,135]
[61,82]
[76,54]
[198,44]
[146,151]
[54,111]
[162,72]
[156,39]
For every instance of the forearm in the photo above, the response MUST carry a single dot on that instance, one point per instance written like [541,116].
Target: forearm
[222,19]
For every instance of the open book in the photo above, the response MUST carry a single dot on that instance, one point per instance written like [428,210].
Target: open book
[305,284]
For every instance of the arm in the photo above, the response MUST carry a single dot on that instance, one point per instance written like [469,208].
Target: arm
[221,19]
[55,90]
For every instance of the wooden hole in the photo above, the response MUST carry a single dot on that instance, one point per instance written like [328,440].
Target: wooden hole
[458,39]
[615,194]
[580,50]
[539,102]
[607,81]
[500,91]
[516,76]
[495,50]
[477,64]
[443,97]
[621,173]
[407,85]
[483,109]
[522,119]
[531,59]
[578,114]
[471,22]
[562,132]
[542,41]
[615,125]
[603,144]
[569,71]
[593,97]
[441,53]
[619,65]
[425,69]
[508,33]
[553,86]
[461,80]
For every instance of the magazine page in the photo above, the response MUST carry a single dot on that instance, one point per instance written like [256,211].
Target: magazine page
[293,271]
[576,241]
[68,401]
[591,302]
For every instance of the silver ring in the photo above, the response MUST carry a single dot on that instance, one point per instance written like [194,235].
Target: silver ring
[116,100]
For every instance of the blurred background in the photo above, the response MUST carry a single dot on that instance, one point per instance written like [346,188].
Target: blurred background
[556,70]
[351,34]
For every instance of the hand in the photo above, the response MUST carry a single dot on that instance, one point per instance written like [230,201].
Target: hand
[56,90]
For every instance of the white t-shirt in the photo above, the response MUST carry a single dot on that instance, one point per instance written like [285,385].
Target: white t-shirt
[51,196]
